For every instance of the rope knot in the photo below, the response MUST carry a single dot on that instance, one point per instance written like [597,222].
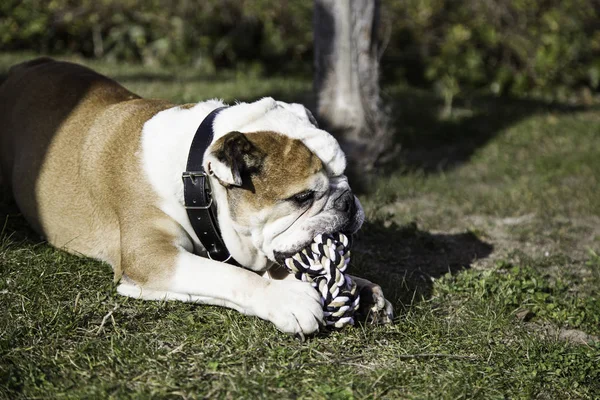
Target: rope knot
[323,263]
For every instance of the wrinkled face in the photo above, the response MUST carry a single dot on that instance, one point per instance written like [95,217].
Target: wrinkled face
[281,195]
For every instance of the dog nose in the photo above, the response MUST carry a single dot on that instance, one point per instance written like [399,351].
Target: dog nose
[345,202]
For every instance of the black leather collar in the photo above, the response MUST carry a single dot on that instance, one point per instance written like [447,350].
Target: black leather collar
[199,203]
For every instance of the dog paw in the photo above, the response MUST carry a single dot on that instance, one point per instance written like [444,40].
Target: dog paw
[374,308]
[292,306]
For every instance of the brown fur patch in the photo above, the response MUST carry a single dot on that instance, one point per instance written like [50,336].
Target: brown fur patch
[69,146]
[187,106]
[285,170]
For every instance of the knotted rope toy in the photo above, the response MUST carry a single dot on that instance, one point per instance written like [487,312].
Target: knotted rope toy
[323,263]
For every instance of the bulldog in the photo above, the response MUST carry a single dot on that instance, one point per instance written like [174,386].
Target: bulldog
[100,172]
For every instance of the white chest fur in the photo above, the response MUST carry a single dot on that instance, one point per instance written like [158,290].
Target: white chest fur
[166,140]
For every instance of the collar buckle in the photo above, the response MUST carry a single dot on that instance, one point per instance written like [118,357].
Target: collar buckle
[193,175]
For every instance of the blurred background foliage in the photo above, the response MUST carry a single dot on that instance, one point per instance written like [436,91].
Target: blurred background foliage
[518,47]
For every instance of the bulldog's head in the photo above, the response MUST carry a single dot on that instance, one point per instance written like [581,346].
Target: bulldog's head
[279,193]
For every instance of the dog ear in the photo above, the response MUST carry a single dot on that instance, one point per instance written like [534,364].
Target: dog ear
[233,157]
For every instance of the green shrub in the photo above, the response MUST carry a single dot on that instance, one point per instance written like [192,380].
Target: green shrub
[514,46]
[205,33]
[519,47]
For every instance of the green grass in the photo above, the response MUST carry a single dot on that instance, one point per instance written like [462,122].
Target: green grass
[485,234]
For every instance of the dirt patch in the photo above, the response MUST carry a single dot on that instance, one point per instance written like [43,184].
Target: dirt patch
[574,336]
[537,236]
[533,234]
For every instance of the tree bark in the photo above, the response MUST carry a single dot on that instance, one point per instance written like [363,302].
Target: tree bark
[347,52]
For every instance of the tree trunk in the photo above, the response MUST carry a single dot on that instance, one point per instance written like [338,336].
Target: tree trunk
[347,51]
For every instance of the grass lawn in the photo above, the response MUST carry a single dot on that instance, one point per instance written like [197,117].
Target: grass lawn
[484,233]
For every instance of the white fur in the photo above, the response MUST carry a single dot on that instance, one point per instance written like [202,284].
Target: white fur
[166,140]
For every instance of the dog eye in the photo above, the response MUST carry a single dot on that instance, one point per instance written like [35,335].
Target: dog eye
[303,197]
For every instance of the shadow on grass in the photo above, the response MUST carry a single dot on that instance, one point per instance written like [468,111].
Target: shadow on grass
[434,143]
[13,224]
[405,260]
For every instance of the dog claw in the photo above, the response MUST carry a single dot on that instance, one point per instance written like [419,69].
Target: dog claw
[374,308]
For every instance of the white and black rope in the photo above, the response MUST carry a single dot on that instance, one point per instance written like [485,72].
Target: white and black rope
[323,264]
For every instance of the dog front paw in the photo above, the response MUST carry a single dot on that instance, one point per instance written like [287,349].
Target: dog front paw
[292,306]
[374,308]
